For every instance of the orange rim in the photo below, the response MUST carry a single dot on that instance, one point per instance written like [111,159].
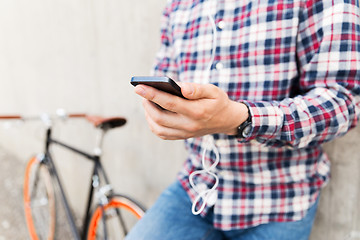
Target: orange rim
[114,203]
[27,202]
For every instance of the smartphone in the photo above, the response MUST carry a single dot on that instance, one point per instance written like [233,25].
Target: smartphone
[165,84]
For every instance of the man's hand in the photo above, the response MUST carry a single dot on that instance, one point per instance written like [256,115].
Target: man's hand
[206,110]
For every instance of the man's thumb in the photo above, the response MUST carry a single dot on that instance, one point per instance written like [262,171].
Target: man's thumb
[197,91]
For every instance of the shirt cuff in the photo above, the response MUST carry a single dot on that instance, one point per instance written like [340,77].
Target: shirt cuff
[266,119]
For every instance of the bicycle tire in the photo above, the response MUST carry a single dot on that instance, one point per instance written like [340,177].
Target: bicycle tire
[119,208]
[39,201]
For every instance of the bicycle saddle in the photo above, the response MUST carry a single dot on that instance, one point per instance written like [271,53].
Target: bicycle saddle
[106,123]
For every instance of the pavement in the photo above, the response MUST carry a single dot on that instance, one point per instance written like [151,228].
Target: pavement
[12,218]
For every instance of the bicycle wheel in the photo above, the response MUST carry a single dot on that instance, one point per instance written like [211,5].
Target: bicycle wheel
[121,214]
[39,201]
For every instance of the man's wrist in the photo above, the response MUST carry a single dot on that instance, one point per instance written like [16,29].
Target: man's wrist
[238,117]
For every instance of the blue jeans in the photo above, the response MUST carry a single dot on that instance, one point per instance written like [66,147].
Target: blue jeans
[171,219]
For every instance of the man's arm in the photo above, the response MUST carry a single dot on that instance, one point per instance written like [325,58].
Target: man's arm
[329,61]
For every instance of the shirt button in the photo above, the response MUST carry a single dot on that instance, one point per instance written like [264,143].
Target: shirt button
[221,25]
[219,66]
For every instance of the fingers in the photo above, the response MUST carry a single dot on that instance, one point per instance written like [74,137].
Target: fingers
[164,132]
[165,118]
[191,91]
[163,123]
[160,116]
[169,125]
[165,100]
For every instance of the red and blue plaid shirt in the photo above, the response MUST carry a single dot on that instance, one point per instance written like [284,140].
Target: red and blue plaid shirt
[296,64]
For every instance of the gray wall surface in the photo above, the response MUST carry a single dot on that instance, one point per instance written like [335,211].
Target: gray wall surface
[80,56]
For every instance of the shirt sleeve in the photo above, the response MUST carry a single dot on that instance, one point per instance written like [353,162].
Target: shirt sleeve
[328,50]
[165,64]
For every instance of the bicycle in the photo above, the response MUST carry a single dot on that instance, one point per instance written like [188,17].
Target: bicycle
[109,216]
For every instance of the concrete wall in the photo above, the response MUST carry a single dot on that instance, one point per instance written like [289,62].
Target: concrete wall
[338,217]
[80,56]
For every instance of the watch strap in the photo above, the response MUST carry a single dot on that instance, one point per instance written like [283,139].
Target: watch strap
[244,129]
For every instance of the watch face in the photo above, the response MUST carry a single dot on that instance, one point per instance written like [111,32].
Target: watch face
[246,131]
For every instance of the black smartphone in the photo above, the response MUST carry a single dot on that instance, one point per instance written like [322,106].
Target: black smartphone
[165,84]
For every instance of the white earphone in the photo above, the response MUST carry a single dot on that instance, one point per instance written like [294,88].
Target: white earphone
[208,196]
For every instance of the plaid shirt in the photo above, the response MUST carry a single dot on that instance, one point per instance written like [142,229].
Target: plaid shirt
[296,64]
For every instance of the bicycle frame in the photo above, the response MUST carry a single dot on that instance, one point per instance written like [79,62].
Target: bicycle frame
[97,171]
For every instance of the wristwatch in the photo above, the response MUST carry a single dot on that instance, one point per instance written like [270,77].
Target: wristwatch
[243,131]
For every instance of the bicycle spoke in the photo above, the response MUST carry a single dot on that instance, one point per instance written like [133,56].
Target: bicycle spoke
[122,222]
[36,180]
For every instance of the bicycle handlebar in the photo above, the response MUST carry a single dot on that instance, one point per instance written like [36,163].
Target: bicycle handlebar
[10,117]
[42,116]
[77,115]
[104,123]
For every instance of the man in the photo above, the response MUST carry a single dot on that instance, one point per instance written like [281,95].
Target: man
[267,82]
